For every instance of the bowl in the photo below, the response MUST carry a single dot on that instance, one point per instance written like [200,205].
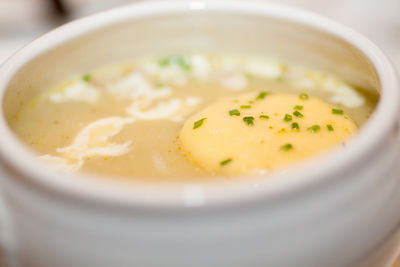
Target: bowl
[336,210]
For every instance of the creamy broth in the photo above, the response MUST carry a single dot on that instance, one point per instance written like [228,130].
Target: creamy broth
[125,120]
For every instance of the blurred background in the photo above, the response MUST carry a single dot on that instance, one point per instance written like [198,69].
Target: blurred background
[23,20]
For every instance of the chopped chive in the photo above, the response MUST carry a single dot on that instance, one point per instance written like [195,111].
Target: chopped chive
[164,62]
[303,96]
[86,78]
[287,118]
[159,85]
[298,114]
[186,67]
[337,111]
[295,126]
[280,78]
[182,62]
[265,117]
[175,60]
[330,128]
[262,95]
[245,106]
[287,147]
[224,162]
[251,102]
[298,107]
[314,128]
[249,120]
[248,76]
[198,123]
[234,112]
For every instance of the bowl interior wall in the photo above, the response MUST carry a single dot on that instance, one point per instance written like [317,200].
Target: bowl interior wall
[212,32]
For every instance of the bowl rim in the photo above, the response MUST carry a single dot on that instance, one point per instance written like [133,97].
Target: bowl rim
[79,187]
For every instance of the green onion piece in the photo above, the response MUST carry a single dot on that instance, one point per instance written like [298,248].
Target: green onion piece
[224,162]
[287,147]
[287,118]
[330,128]
[159,85]
[180,61]
[314,128]
[280,78]
[183,63]
[234,112]
[198,123]
[265,117]
[298,107]
[303,96]
[86,78]
[249,120]
[164,62]
[245,106]
[248,76]
[295,126]
[262,95]
[298,114]
[337,111]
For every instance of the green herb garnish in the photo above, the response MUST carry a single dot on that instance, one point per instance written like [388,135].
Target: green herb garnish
[295,126]
[180,61]
[330,128]
[287,147]
[287,117]
[164,61]
[314,128]
[337,111]
[298,114]
[159,85]
[298,107]
[248,76]
[262,95]
[234,112]
[245,106]
[183,63]
[86,78]
[280,78]
[265,117]
[303,96]
[198,123]
[224,162]
[249,120]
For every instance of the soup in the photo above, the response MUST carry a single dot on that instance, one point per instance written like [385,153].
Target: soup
[192,117]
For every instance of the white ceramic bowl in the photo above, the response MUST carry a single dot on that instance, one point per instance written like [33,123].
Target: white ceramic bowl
[331,211]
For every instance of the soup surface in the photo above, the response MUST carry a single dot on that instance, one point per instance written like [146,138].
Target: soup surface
[191,117]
